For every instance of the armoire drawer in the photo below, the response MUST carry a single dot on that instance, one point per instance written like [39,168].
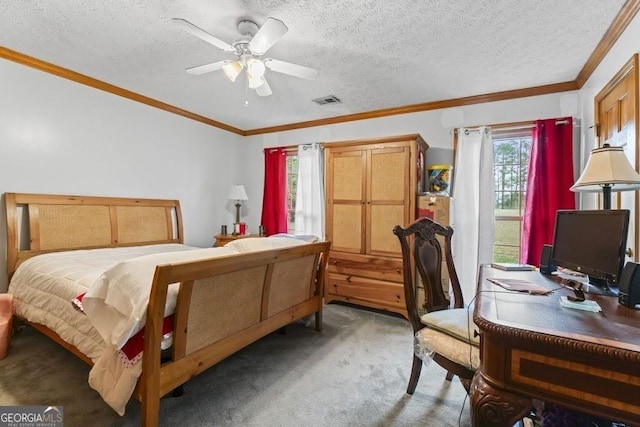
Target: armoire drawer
[379,268]
[362,288]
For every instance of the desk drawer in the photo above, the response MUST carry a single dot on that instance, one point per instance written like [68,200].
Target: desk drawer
[362,288]
[379,268]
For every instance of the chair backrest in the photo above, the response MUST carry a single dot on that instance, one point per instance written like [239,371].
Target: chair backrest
[422,253]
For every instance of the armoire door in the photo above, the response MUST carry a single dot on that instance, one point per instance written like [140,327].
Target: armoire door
[388,177]
[616,113]
[346,200]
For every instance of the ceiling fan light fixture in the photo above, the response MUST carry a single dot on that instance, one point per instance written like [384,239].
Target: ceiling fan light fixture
[255,67]
[232,69]
[255,42]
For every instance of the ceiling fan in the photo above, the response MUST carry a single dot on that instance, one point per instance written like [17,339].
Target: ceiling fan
[254,42]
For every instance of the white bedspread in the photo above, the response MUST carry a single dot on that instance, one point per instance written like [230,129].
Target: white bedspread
[117,302]
[116,283]
[44,286]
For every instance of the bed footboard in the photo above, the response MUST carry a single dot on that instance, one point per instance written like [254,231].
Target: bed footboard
[225,304]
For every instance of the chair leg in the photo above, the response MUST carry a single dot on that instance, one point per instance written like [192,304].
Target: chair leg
[415,374]
[466,383]
[449,375]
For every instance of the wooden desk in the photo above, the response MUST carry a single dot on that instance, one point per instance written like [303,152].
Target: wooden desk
[223,239]
[533,348]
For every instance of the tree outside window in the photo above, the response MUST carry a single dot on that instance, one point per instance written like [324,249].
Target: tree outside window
[511,162]
[292,181]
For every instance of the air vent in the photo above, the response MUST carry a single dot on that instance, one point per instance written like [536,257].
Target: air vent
[327,100]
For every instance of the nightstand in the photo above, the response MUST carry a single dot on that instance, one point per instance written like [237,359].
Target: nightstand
[223,239]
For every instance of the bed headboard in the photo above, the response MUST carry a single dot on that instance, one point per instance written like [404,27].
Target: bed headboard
[40,223]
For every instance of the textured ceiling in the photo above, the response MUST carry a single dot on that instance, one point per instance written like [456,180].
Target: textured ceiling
[372,54]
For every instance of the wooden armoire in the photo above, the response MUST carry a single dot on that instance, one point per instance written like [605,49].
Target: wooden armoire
[371,186]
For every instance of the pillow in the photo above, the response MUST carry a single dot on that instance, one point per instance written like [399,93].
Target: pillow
[456,322]
[252,244]
[309,238]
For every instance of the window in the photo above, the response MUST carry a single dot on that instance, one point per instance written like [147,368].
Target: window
[510,168]
[292,181]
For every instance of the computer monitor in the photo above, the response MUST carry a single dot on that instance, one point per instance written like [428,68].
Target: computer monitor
[592,242]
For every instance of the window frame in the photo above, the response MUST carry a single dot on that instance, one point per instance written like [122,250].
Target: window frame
[510,133]
[291,210]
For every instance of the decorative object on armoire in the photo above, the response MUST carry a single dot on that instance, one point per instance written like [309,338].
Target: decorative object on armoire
[238,194]
[608,169]
[371,186]
[440,179]
[223,230]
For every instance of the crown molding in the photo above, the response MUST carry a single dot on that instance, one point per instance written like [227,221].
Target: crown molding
[65,73]
[617,27]
[435,105]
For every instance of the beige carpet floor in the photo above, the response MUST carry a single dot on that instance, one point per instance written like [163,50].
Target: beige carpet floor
[353,373]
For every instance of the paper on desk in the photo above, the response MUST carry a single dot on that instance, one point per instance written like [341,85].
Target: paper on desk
[520,285]
[587,305]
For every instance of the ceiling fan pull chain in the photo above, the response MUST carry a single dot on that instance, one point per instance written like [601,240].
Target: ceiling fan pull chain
[246,91]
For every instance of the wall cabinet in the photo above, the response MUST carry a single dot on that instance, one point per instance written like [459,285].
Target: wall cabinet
[371,186]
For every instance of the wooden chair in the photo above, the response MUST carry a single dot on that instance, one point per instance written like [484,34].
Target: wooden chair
[446,332]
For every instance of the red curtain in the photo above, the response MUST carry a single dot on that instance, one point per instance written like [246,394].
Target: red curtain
[274,200]
[550,177]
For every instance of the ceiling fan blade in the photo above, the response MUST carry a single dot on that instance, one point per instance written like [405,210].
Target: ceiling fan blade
[202,34]
[206,68]
[291,69]
[264,89]
[270,32]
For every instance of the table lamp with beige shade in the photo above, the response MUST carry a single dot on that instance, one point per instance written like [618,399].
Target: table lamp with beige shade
[238,194]
[608,169]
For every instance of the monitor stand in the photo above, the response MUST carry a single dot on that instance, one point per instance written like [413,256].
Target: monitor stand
[598,286]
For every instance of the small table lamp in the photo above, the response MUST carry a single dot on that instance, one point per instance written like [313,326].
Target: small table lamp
[607,169]
[237,193]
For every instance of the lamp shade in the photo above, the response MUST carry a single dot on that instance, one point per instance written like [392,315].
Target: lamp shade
[237,193]
[255,68]
[607,166]
[232,69]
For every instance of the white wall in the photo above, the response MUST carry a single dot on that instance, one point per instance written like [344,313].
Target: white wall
[429,124]
[60,137]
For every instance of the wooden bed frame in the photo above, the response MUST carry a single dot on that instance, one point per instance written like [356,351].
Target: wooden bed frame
[271,288]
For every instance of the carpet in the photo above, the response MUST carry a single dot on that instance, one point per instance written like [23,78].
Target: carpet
[353,373]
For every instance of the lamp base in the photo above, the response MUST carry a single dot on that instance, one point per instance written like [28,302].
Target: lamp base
[606,196]
[237,213]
